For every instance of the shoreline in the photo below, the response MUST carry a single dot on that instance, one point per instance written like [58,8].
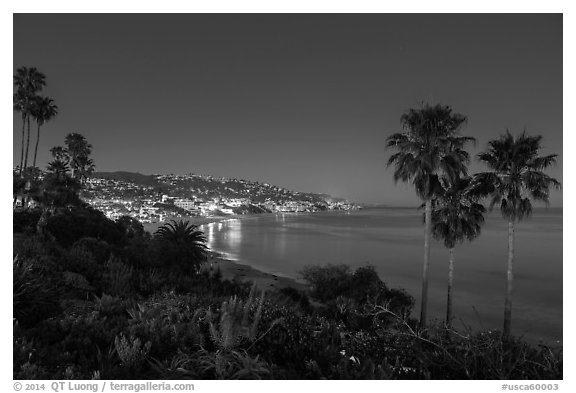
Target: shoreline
[232,270]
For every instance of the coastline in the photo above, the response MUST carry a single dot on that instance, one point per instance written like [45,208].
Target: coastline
[232,270]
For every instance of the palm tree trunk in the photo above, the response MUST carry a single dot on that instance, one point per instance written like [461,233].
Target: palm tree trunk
[22,152]
[36,148]
[509,278]
[450,280]
[27,145]
[427,233]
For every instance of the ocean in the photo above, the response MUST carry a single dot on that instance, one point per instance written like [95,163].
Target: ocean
[392,240]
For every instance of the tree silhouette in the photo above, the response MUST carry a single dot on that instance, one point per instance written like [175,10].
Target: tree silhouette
[456,216]
[515,179]
[28,82]
[43,110]
[430,146]
[78,150]
[186,244]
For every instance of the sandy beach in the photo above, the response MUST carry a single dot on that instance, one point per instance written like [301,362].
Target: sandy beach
[264,281]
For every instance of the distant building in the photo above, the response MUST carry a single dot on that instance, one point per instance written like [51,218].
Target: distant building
[185,204]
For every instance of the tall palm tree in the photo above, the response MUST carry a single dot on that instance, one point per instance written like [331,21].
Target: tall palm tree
[515,179]
[20,105]
[43,110]
[28,82]
[456,216]
[430,146]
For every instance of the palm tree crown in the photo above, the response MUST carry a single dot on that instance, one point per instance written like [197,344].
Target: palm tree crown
[183,234]
[44,109]
[430,146]
[456,214]
[517,174]
[28,82]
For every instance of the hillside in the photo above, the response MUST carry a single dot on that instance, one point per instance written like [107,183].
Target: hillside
[197,186]
[155,198]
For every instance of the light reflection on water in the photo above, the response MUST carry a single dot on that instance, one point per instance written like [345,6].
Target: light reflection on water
[228,232]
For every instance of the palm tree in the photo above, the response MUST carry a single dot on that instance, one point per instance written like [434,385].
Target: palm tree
[456,216]
[516,178]
[84,168]
[20,105]
[43,110]
[78,150]
[184,241]
[28,82]
[60,154]
[430,146]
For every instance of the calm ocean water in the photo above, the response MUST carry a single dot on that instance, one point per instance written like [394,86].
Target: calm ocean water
[392,240]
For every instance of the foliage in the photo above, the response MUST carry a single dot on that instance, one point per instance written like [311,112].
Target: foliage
[517,174]
[336,285]
[430,145]
[24,221]
[235,324]
[131,227]
[81,261]
[28,82]
[456,213]
[118,278]
[72,225]
[35,294]
[181,245]
[131,351]
[327,281]
[232,365]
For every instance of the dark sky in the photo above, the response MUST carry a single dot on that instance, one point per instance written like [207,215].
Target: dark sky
[300,101]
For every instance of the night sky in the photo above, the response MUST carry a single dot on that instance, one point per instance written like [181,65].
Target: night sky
[300,101]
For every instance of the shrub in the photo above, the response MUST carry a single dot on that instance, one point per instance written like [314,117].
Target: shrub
[169,321]
[329,281]
[70,226]
[117,278]
[98,248]
[365,284]
[130,227]
[237,321]
[232,365]
[24,221]
[35,293]
[80,260]
[77,285]
[131,351]
[35,248]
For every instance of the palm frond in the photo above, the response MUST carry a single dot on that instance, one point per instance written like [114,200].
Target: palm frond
[517,177]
